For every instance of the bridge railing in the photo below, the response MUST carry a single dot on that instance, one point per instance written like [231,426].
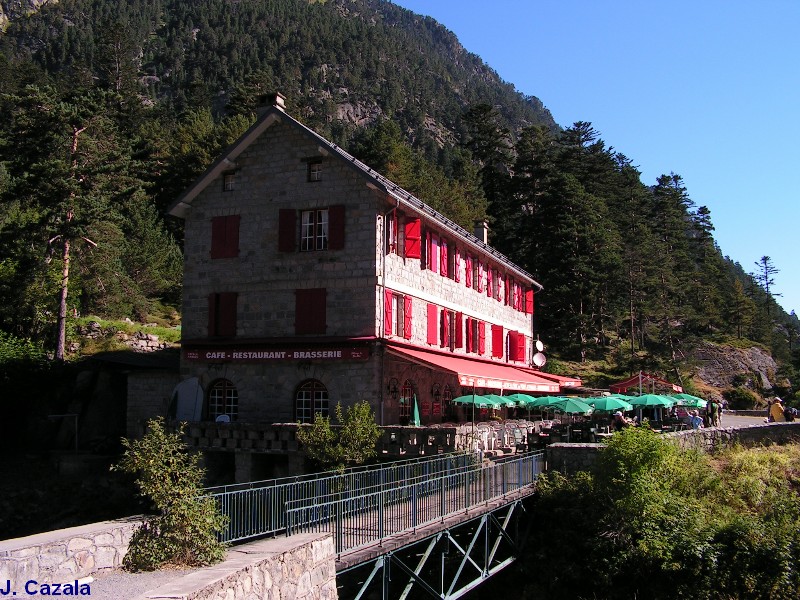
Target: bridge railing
[259,508]
[370,515]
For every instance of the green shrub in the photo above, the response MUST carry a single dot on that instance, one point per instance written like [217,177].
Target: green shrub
[353,443]
[183,532]
[740,398]
[654,521]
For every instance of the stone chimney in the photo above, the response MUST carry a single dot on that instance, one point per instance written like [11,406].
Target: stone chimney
[482,231]
[267,101]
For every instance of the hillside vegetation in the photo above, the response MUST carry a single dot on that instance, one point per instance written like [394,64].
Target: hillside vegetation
[653,521]
[112,109]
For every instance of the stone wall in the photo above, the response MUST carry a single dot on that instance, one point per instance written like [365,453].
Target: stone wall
[301,567]
[570,458]
[66,554]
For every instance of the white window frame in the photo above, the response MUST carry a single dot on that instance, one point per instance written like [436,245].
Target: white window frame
[314,230]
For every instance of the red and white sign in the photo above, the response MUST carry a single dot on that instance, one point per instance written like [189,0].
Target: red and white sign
[272,355]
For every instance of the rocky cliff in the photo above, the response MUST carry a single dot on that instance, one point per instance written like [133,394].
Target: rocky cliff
[722,367]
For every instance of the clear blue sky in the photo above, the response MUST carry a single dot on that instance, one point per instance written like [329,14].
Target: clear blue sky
[707,89]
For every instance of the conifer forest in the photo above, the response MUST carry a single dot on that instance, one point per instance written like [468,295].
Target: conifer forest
[110,109]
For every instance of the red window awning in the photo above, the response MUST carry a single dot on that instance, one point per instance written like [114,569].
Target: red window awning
[562,380]
[479,373]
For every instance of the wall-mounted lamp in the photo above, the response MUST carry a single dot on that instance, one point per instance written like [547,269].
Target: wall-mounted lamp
[393,389]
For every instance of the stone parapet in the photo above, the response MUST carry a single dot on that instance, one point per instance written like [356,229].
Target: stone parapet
[66,554]
[300,567]
[570,458]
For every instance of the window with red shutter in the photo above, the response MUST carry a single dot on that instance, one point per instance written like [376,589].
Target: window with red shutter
[433,257]
[497,341]
[470,346]
[412,234]
[443,259]
[336,227]
[489,282]
[478,276]
[521,347]
[387,312]
[225,236]
[407,324]
[222,314]
[433,330]
[445,328]
[512,345]
[459,327]
[468,271]
[456,265]
[529,301]
[287,230]
[310,311]
[481,337]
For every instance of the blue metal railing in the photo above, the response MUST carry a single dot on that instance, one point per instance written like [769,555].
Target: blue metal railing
[260,508]
[371,514]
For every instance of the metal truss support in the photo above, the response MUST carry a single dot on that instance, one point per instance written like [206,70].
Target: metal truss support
[445,565]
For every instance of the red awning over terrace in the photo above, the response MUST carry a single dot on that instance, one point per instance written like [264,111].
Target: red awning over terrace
[481,374]
[642,380]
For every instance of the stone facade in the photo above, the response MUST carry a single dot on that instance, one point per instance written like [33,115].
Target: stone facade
[263,179]
[67,554]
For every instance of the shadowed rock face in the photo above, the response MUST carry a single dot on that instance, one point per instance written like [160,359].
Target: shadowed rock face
[11,10]
[720,366]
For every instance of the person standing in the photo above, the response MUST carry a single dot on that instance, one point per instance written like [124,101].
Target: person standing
[695,420]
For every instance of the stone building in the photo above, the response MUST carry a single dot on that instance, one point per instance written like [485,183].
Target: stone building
[310,279]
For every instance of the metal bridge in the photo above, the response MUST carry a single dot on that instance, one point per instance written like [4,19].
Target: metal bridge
[435,527]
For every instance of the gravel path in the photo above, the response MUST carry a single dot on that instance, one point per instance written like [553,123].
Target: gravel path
[116,584]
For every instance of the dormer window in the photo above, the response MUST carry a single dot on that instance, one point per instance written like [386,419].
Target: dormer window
[315,170]
[228,182]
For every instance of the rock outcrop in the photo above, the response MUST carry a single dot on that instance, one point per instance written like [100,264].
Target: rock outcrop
[725,366]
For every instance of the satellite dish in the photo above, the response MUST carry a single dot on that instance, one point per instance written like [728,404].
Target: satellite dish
[539,345]
[539,359]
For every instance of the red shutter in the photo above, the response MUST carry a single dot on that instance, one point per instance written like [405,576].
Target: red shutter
[468,272]
[212,315]
[387,312]
[407,313]
[443,259]
[433,331]
[529,301]
[480,277]
[413,249]
[225,236]
[481,337]
[445,328]
[512,345]
[470,339]
[457,265]
[336,227]
[520,347]
[226,314]
[489,281]
[459,341]
[287,230]
[497,341]
[310,311]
